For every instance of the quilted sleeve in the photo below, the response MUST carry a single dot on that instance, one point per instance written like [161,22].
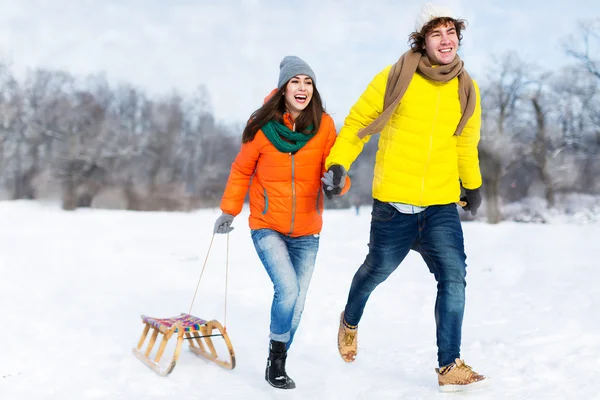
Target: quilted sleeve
[369,106]
[466,148]
[331,137]
[241,172]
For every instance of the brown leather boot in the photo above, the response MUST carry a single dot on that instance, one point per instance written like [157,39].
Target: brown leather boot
[459,377]
[347,340]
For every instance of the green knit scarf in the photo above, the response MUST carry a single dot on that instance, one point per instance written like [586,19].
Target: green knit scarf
[284,139]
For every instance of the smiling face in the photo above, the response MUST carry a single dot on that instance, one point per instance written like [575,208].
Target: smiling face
[298,93]
[441,44]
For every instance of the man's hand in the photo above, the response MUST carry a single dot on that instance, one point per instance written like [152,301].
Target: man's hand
[473,200]
[334,180]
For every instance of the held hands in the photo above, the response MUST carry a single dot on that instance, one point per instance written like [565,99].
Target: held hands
[223,224]
[334,180]
[473,200]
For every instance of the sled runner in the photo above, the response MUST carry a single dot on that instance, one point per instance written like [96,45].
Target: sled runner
[184,327]
[198,332]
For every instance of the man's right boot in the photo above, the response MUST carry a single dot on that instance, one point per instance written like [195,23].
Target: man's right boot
[347,340]
[275,373]
[459,377]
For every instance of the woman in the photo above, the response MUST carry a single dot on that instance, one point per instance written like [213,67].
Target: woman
[281,161]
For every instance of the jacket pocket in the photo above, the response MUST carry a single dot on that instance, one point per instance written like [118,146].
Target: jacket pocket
[382,211]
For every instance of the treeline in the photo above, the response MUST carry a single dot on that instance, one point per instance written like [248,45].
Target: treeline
[77,139]
[82,139]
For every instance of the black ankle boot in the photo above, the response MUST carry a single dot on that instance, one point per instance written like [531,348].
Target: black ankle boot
[275,372]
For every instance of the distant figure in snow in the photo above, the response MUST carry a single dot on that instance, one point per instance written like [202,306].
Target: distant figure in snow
[356,204]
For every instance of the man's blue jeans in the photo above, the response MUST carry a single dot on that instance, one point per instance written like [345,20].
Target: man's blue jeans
[436,233]
[290,262]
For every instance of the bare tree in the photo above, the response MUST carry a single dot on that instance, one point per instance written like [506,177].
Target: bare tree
[128,121]
[11,132]
[162,141]
[540,150]
[585,46]
[504,127]
[573,146]
[80,166]
[41,105]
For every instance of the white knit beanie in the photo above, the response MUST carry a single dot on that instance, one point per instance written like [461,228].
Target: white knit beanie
[430,12]
[291,66]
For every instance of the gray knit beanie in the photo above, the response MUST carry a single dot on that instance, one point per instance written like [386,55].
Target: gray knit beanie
[291,66]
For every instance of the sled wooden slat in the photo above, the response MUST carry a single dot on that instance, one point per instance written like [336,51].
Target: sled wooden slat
[144,334]
[199,333]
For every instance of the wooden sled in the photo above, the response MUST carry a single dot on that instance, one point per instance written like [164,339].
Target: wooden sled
[199,333]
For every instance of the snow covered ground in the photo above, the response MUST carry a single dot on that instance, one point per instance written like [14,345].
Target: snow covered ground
[73,284]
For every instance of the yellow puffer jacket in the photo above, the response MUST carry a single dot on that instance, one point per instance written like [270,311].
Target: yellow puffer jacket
[419,160]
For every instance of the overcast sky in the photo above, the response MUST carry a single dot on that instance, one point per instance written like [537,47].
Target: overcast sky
[234,47]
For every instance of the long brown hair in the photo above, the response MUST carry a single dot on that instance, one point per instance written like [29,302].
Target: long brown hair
[417,39]
[274,109]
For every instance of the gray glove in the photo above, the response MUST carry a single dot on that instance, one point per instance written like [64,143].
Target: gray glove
[223,224]
[334,180]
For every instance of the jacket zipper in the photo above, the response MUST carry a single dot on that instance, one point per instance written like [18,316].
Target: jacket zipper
[293,159]
[293,194]
[437,109]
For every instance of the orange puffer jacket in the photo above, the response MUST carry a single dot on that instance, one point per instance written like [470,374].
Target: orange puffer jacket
[285,188]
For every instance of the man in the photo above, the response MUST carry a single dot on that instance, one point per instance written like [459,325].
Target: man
[428,111]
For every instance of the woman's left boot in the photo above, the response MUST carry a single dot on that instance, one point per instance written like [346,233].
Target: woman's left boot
[275,373]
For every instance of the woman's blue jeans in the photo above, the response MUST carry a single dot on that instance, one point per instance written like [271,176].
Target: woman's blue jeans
[290,262]
[436,233]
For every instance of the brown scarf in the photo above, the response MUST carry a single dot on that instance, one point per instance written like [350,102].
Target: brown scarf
[400,76]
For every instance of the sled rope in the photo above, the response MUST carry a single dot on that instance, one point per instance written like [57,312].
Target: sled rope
[226,278]
[201,273]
